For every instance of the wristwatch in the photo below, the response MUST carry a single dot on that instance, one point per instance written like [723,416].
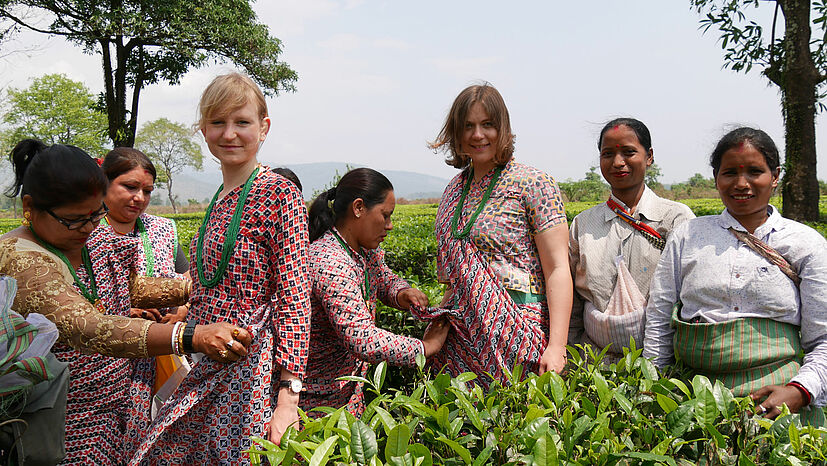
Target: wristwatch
[295,385]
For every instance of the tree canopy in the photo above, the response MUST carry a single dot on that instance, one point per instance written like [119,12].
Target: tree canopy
[150,41]
[56,110]
[793,57]
[171,147]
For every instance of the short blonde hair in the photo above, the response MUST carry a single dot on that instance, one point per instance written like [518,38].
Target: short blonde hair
[449,139]
[227,93]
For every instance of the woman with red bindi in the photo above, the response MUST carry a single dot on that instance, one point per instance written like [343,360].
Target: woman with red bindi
[750,290]
[615,246]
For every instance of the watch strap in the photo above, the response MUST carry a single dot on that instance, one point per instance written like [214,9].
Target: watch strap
[186,338]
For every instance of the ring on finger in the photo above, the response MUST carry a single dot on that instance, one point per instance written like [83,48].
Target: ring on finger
[230,344]
[236,332]
[761,409]
[223,354]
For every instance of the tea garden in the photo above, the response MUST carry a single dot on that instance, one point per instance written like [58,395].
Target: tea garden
[623,413]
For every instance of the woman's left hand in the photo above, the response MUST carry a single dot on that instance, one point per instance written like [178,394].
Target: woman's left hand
[777,395]
[410,296]
[284,416]
[178,314]
[553,359]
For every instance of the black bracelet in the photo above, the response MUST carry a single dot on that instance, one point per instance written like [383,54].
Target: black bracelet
[186,339]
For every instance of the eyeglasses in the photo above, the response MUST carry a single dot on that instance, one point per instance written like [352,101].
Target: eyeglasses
[81,222]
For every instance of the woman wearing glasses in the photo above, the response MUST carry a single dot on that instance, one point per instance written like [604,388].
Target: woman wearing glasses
[62,192]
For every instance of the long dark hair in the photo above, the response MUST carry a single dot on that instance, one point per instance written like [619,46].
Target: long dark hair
[54,175]
[360,183]
[123,159]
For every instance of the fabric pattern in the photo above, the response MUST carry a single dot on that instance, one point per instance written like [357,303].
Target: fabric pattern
[45,286]
[163,240]
[491,332]
[744,354]
[718,278]
[217,407]
[344,339]
[525,202]
[597,236]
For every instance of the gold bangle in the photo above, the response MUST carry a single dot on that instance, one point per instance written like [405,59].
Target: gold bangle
[180,338]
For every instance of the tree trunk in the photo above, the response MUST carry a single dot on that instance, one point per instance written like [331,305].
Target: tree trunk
[169,192]
[800,78]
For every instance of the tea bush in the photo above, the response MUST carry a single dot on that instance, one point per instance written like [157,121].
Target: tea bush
[624,413]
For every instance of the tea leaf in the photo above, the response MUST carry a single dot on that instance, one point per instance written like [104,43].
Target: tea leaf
[397,443]
[362,442]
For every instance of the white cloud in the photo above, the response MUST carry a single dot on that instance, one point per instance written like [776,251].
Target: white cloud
[341,43]
[391,43]
[290,17]
[465,68]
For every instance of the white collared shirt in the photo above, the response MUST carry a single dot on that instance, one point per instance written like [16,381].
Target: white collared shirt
[597,236]
[719,278]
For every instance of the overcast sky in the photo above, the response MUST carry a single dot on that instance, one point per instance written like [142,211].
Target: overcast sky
[376,79]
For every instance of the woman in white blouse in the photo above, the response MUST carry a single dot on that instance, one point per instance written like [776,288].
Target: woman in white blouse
[753,289]
[615,246]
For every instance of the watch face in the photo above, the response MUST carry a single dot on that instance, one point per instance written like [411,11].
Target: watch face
[296,386]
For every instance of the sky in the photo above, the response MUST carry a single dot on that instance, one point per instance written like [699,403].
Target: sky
[376,79]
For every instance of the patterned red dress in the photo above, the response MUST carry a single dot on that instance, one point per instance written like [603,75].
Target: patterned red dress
[496,264]
[157,254]
[344,339]
[97,403]
[215,410]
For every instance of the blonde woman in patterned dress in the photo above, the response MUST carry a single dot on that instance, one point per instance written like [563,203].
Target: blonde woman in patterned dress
[615,246]
[62,191]
[503,248]
[348,274]
[250,266]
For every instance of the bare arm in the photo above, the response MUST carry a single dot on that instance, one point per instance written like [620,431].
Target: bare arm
[552,246]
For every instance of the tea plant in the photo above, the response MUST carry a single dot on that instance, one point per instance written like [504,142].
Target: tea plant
[623,413]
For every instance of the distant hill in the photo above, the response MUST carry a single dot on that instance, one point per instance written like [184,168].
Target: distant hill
[314,176]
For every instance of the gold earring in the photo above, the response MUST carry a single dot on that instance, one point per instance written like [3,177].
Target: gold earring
[25,222]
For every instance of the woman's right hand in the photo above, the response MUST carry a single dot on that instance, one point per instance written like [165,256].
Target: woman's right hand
[435,336]
[212,340]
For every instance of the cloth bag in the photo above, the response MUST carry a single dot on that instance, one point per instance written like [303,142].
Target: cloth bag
[623,318]
[33,385]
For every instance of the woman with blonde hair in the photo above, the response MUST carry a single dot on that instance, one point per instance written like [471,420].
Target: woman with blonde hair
[250,266]
[503,248]
[87,296]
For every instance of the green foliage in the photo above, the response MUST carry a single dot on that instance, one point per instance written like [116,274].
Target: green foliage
[333,182]
[695,186]
[56,110]
[591,188]
[652,178]
[171,146]
[597,414]
[150,41]
[746,43]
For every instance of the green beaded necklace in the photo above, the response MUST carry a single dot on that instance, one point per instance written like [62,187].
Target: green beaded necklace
[461,204]
[229,240]
[148,254]
[91,293]
[366,284]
